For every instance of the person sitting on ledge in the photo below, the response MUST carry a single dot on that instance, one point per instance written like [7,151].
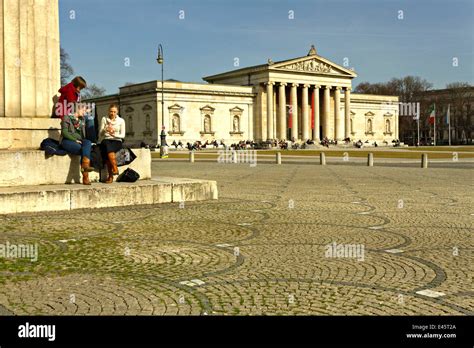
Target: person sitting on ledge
[112,133]
[73,139]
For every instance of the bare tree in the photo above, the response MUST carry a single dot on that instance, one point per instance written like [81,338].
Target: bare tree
[408,89]
[66,69]
[92,91]
[459,97]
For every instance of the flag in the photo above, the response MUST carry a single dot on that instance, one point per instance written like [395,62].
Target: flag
[432,114]
[447,115]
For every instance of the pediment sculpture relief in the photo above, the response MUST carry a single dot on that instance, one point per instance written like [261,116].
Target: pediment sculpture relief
[309,66]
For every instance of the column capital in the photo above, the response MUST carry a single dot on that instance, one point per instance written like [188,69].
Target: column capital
[348,89]
[328,87]
[269,83]
[317,86]
[294,85]
[283,84]
[338,88]
[306,85]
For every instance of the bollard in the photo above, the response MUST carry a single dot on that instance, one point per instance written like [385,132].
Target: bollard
[322,158]
[370,159]
[424,160]
[191,156]
[234,156]
[278,158]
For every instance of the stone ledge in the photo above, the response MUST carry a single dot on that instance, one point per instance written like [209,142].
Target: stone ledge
[32,167]
[22,199]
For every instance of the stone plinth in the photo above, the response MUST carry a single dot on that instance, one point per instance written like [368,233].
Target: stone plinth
[32,167]
[22,199]
[27,132]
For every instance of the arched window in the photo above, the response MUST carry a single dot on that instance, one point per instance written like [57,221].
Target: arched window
[352,126]
[387,126]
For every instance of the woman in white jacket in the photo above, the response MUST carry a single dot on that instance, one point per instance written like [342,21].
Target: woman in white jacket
[112,133]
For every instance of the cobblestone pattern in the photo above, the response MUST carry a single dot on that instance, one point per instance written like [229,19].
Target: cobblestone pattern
[260,249]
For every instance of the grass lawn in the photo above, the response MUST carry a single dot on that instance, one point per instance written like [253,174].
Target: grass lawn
[393,153]
[441,148]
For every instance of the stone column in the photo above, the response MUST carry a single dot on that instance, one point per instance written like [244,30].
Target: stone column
[29,71]
[326,107]
[294,111]
[29,57]
[282,111]
[316,113]
[269,110]
[347,112]
[338,120]
[305,113]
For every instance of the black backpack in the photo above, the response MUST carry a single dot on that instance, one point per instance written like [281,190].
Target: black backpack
[52,147]
[129,175]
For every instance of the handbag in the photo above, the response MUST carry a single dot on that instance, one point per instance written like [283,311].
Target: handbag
[129,175]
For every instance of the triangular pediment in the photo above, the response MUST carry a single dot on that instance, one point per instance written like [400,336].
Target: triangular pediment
[313,65]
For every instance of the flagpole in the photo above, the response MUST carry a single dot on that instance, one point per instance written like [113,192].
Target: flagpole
[449,125]
[418,125]
[434,125]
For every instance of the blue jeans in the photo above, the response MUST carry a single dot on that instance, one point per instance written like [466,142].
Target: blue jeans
[73,148]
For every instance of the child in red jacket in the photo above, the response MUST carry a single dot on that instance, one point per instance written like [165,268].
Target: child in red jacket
[70,94]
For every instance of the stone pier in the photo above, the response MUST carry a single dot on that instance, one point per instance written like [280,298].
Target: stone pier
[29,72]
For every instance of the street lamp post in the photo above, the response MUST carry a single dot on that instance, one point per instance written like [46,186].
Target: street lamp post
[163,145]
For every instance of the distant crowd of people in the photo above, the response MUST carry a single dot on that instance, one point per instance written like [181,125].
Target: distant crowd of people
[273,143]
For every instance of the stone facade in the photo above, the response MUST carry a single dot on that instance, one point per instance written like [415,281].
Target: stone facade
[302,98]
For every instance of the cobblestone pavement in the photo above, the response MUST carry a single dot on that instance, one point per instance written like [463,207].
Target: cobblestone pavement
[289,239]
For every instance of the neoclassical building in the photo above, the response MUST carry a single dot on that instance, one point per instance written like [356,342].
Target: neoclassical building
[302,98]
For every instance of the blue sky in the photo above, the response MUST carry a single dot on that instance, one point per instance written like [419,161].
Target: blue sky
[369,33]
